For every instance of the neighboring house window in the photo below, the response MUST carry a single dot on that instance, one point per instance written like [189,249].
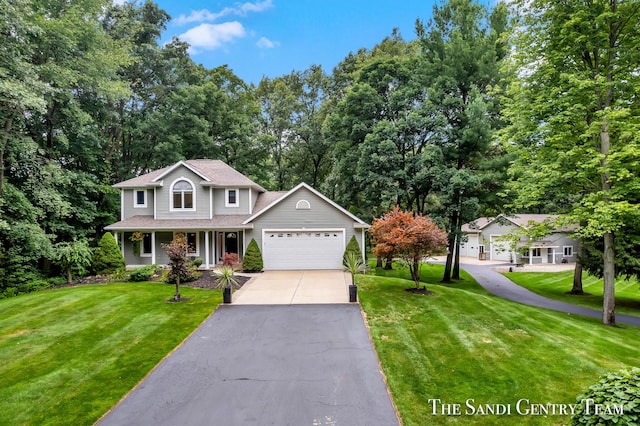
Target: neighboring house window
[568,251]
[481,248]
[182,195]
[232,198]
[146,245]
[303,205]
[536,252]
[192,242]
[139,198]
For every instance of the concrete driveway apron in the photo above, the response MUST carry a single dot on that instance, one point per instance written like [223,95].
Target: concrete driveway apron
[295,287]
[266,365]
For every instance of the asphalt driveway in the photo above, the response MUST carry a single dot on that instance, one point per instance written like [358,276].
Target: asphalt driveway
[266,365]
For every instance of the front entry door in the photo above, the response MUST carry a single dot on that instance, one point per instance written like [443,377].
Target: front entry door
[231,242]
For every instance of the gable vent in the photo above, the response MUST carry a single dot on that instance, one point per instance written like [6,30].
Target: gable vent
[303,205]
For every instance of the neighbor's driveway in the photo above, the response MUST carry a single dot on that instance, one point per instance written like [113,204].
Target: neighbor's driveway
[295,287]
[266,365]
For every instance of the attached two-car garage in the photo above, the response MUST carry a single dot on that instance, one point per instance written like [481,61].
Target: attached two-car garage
[303,249]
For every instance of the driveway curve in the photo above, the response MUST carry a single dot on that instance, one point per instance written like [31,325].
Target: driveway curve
[266,365]
[496,283]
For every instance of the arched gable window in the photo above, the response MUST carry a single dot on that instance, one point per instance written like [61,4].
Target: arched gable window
[182,195]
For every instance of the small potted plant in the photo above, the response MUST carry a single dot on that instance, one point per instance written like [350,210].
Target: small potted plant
[354,264]
[225,279]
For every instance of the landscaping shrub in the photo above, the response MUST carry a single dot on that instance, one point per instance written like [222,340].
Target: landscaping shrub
[143,273]
[191,274]
[230,259]
[352,247]
[196,262]
[107,258]
[615,399]
[252,261]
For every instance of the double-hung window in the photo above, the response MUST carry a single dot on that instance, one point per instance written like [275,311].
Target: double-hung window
[232,198]
[182,195]
[139,198]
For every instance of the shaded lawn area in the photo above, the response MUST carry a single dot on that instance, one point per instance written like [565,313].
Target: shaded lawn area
[554,285]
[68,355]
[463,343]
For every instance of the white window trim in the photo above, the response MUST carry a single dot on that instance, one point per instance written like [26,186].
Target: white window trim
[142,252]
[564,248]
[135,199]
[226,197]
[197,252]
[171,207]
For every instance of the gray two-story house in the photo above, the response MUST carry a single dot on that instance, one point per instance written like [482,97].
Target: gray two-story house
[220,210]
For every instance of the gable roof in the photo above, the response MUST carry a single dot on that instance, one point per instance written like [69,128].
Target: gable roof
[215,173]
[520,220]
[286,195]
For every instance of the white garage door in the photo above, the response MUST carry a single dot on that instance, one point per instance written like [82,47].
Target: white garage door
[500,250]
[303,249]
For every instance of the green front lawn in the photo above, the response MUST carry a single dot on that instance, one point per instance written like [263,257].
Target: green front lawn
[554,285]
[68,355]
[463,343]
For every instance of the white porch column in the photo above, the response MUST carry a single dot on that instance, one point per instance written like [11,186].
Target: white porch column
[553,258]
[530,256]
[206,249]
[153,248]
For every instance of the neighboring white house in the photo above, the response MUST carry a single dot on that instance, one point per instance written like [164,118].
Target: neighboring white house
[220,211]
[485,240]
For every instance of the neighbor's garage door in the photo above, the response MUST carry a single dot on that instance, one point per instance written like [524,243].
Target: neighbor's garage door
[499,250]
[303,250]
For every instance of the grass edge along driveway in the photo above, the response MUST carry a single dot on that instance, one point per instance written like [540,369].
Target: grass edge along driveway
[465,345]
[68,355]
[555,285]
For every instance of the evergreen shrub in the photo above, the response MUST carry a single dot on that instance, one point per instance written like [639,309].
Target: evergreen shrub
[252,261]
[352,247]
[108,258]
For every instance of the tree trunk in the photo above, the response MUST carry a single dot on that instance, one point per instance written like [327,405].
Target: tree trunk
[446,278]
[177,296]
[577,272]
[608,302]
[415,273]
[456,259]
[69,275]
[378,262]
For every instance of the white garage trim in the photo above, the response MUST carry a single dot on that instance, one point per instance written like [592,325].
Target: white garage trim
[312,248]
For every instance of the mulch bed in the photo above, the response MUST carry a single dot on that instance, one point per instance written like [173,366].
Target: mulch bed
[207,280]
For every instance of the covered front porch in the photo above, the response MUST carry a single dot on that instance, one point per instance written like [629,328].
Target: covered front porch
[538,252]
[144,247]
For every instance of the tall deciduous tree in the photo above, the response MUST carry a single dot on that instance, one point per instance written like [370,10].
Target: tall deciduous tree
[463,47]
[576,99]
[408,236]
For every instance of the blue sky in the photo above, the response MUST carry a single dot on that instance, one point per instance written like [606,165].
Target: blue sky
[273,37]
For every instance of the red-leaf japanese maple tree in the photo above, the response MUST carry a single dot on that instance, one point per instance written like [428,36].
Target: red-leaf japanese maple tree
[408,236]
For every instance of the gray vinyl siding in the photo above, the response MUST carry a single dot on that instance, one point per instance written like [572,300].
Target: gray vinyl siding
[254,196]
[201,197]
[128,203]
[219,198]
[321,215]
[161,256]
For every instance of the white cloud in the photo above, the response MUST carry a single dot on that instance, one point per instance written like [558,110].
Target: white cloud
[212,36]
[239,9]
[265,43]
